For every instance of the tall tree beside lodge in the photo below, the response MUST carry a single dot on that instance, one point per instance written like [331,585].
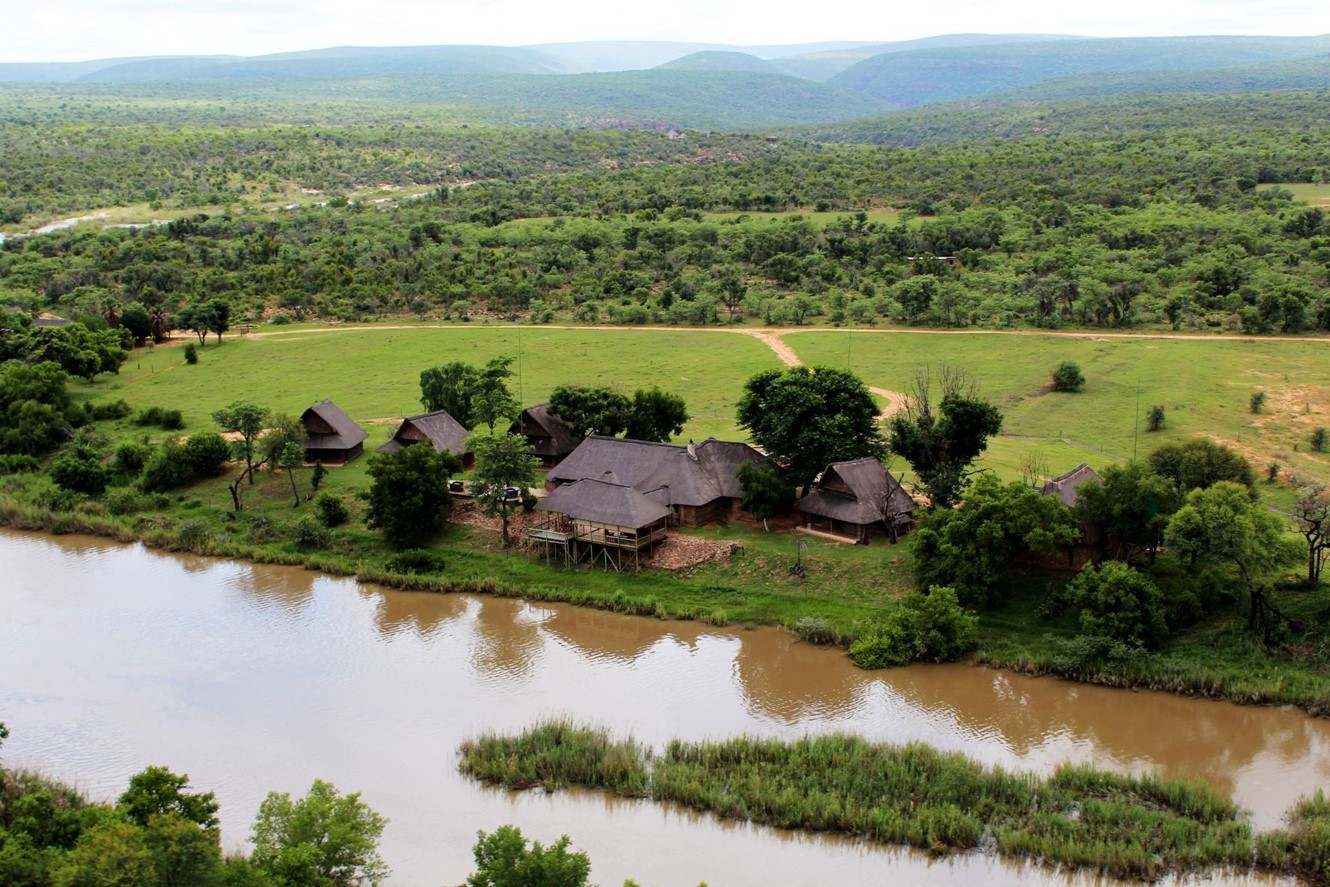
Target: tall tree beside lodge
[503,463]
[807,418]
[408,494]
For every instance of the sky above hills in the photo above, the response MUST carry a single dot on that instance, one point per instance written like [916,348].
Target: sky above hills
[73,30]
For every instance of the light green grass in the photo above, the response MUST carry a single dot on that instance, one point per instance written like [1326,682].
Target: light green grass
[1203,384]
[1315,194]
[375,374]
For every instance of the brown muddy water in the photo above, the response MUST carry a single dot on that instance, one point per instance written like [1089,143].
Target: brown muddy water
[252,678]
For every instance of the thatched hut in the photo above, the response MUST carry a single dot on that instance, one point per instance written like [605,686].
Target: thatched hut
[601,518]
[1065,486]
[439,429]
[855,498]
[700,481]
[549,437]
[331,436]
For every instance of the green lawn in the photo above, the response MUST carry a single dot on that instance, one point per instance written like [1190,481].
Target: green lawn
[1204,385]
[374,374]
[1314,194]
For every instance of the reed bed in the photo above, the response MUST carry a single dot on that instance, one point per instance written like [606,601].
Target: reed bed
[1304,847]
[1141,827]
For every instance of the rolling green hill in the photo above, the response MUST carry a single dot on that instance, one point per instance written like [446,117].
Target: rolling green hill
[924,76]
[1303,74]
[825,64]
[721,61]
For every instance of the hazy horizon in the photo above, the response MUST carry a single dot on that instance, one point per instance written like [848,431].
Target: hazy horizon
[83,30]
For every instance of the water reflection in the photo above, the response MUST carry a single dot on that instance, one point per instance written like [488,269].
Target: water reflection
[254,678]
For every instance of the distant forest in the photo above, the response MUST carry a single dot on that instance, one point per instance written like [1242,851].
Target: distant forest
[1160,211]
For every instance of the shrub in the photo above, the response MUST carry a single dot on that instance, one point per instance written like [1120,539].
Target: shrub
[1257,401]
[928,627]
[116,409]
[205,453]
[816,630]
[166,469]
[1155,419]
[18,464]
[126,500]
[79,473]
[191,354]
[307,534]
[168,420]
[331,510]
[280,320]
[415,560]
[1067,376]
[1318,440]
[130,457]
[193,533]
[1119,602]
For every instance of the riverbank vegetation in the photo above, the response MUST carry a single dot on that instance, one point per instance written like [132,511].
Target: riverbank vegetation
[1141,827]
[162,833]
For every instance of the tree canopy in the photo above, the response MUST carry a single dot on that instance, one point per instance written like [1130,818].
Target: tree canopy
[472,395]
[408,498]
[324,838]
[808,418]
[503,463]
[940,446]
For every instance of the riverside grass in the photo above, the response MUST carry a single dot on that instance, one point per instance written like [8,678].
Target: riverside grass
[1124,826]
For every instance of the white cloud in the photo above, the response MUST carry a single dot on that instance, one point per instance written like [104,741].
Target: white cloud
[66,30]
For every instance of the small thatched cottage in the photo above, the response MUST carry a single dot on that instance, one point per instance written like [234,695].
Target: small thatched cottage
[549,437]
[698,482]
[331,435]
[440,429]
[1064,486]
[855,498]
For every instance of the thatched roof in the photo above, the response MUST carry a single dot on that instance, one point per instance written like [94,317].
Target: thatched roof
[1064,486]
[329,428]
[439,428]
[697,478]
[548,435]
[860,492]
[604,502]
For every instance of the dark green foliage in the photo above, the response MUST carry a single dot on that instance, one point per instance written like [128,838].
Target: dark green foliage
[592,410]
[1119,602]
[1318,440]
[1128,511]
[127,500]
[419,560]
[191,354]
[1155,418]
[765,492]
[18,464]
[1199,463]
[213,316]
[75,348]
[246,420]
[471,395]
[309,534]
[555,754]
[316,477]
[205,454]
[1256,402]
[926,627]
[503,462]
[136,320]
[331,510]
[36,413]
[80,473]
[156,790]
[656,415]
[807,418]
[1067,376]
[114,409]
[941,446]
[325,838]
[165,419]
[166,469]
[972,547]
[503,859]
[408,498]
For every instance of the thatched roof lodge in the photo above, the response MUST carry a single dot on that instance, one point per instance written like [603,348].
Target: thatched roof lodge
[1065,486]
[854,498]
[440,429]
[699,481]
[601,517]
[331,435]
[549,437]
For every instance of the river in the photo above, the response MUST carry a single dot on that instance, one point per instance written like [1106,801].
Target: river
[254,678]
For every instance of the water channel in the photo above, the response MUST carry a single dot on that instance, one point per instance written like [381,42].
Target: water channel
[255,678]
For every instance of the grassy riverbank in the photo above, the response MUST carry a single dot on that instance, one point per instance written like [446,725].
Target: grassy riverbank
[1124,826]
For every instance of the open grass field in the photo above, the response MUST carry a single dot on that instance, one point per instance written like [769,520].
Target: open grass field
[373,374]
[1204,385]
[1315,194]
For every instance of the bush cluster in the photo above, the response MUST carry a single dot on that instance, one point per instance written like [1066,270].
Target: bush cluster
[930,627]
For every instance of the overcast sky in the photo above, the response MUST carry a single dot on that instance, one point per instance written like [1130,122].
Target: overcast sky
[70,30]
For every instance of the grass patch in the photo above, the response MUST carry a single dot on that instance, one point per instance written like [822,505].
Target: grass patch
[1121,826]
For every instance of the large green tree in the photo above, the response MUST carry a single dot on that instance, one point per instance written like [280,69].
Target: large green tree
[588,409]
[156,790]
[941,444]
[1199,463]
[472,395]
[504,859]
[504,463]
[324,839]
[1221,525]
[246,420]
[807,418]
[408,498]
[656,415]
[1128,511]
